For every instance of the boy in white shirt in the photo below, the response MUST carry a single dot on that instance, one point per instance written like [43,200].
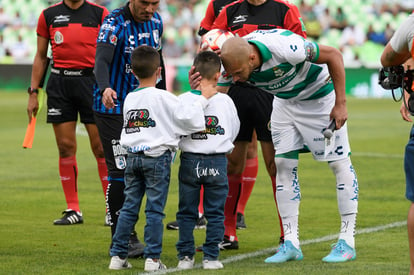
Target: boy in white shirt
[154,119]
[204,163]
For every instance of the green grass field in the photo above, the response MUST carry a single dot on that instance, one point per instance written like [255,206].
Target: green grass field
[31,198]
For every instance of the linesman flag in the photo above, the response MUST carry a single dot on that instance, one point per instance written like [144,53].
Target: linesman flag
[30,131]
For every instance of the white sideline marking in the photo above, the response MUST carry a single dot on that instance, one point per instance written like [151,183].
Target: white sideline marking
[305,242]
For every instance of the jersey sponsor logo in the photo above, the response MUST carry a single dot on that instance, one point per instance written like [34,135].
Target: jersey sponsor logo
[131,45]
[107,27]
[136,119]
[155,20]
[54,112]
[278,72]
[58,37]
[142,36]
[212,128]
[279,84]
[128,68]
[240,18]
[61,18]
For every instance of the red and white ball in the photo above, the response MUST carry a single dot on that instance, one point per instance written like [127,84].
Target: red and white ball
[214,39]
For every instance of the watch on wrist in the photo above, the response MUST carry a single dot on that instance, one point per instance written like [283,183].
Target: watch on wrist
[31,90]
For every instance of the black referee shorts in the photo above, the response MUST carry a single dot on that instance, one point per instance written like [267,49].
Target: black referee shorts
[254,108]
[68,96]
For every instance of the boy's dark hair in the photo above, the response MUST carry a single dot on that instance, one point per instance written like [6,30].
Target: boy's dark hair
[145,60]
[207,63]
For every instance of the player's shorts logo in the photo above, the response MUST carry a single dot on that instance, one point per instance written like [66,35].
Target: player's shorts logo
[120,162]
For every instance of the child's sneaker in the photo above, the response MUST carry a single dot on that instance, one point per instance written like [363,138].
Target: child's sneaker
[186,263]
[118,263]
[341,252]
[208,264]
[286,252]
[153,265]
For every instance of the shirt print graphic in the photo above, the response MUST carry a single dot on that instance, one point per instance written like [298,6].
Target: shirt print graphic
[136,119]
[212,128]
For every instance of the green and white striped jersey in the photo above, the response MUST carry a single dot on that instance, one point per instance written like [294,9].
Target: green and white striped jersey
[287,70]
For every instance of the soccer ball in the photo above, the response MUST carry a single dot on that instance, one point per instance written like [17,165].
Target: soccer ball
[215,38]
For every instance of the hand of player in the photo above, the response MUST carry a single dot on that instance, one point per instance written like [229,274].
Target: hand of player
[194,79]
[108,98]
[340,114]
[32,106]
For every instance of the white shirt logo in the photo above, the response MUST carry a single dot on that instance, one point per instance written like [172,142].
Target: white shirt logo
[61,18]
[240,18]
[54,112]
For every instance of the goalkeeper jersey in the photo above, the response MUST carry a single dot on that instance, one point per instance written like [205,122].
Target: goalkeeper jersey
[287,70]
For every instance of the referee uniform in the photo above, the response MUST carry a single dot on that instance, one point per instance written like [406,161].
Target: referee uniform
[71,28]
[72,35]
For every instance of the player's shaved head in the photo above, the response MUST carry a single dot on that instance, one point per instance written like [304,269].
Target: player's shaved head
[239,58]
[235,49]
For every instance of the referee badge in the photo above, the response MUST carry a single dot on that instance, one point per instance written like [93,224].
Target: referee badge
[58,37]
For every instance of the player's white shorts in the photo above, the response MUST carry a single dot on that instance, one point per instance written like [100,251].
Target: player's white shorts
[295,124]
